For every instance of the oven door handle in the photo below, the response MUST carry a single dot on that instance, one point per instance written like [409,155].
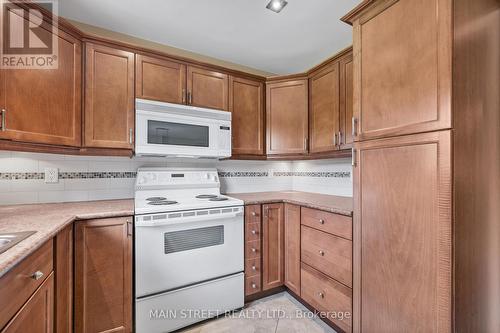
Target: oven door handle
[186,219]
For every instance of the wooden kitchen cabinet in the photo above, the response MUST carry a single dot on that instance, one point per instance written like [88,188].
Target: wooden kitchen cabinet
[207,88]
[63,284]
[287,117]
[160,79]
[402,256]
[273,251]
[324,103]
[109,97]
[103,275]
[346,101]
[246,104]
[44,105]
[292,247]
[253,251]
[402,68]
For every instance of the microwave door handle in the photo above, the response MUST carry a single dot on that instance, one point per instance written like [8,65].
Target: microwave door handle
[185,220]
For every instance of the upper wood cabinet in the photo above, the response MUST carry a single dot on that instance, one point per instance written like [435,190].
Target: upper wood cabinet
[44,105]
[402,234]
[160,79]
[273,251]
[103,275]
[402,68]
[292,246]
[207,88]
[246,104]
[346,101]
[324,116]
[287,117]
[109,97]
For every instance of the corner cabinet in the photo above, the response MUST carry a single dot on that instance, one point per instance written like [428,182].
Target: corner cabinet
[246,104]
[103,275]
[287,117]
[44,105]
[273,250]
[109,97]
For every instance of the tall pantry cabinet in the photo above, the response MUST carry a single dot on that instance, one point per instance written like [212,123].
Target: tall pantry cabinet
[426,165]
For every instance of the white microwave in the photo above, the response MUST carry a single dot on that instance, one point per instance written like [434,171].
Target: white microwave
[165,129]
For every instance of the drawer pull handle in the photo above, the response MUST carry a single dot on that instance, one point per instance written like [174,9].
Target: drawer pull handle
[37,275]
[254,214]
[254,232]
[321,221]
[254,250]
[321,252]
[254,286]
[254,268]
[321,295]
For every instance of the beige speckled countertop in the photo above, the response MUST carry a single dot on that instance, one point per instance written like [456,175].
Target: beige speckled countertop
[331,203]
[47,220]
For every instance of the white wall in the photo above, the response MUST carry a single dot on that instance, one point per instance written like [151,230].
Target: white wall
[85,179]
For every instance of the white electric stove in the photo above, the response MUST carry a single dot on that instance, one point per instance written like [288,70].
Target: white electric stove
[189,248]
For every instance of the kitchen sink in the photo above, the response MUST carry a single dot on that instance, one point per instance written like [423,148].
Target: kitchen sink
[8,240]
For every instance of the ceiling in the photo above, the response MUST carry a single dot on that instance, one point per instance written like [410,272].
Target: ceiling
[239,31]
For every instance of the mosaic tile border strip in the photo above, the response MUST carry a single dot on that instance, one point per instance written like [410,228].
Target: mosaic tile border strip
[133,174]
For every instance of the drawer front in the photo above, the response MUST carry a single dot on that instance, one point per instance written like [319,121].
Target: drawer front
[329,254]
[252,231]
[335,224]
[252,267]
[252,214]
[252,285]
[20,283]
[252,249]
[327,295]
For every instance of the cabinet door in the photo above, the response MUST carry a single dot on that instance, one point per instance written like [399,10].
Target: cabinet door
[346,88]
[287,113]
[103,275]
[292,246]
[402,68]
[44,105]
[207,88]
[402,234]
[246,104]
[324,114]
[109,97]
[273,256]
[160,79]
[37,313]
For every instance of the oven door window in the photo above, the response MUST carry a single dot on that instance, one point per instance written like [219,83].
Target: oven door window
[176,134]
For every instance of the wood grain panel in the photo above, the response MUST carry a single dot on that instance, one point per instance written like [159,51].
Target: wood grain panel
[338,225]
[346,101]
[109,97]
[63,284]
[292,247]
[287,117]
[160,79]
[103,276]
[402,229]
[273,256]
[246,104]
[324,103]
[403,68]
[207,88]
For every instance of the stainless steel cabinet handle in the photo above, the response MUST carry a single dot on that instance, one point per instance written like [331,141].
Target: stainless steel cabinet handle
[354,123]
[183,96]
[321,253]
[254,250]
[321,221]
[129,228]
[254,268]
[190,98]
[335,139]
[340,138]
[321,295]
[254,214]
[131,136]
[254,232]
[37,275]
[3,114]
[353,159]
[254,286]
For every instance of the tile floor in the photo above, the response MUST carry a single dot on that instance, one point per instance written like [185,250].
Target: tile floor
[279,313]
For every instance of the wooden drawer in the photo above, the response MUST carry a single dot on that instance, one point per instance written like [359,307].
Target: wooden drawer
[252,231]
[252,214]
[252,267]
[17,286]
[335,224]
[327,295]
[252,249]
[329,254]
[252,285]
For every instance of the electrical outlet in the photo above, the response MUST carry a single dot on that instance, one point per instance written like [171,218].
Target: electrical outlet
[51,175]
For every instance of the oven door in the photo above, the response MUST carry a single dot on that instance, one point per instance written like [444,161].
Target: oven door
[179,249]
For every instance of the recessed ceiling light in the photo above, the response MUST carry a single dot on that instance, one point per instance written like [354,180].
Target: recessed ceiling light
[276,5]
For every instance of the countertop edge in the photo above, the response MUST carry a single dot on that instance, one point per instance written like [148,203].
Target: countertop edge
[301,203]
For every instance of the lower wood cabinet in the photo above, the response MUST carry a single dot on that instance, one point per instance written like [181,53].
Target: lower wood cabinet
[103,275]
[253,252]
[292,247]
[273,251]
